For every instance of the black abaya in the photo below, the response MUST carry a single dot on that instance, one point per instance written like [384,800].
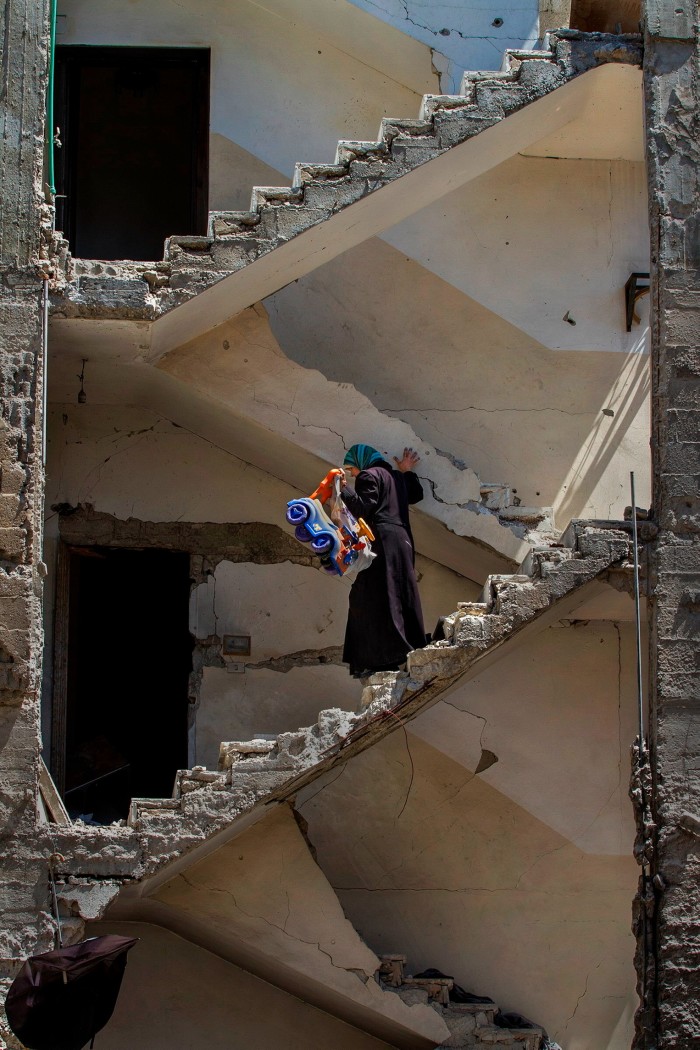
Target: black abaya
[385,620]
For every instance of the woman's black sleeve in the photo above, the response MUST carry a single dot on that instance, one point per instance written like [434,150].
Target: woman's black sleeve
[414,489]
[363,501]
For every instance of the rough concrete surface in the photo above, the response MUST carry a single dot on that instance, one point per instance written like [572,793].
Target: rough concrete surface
[667,787]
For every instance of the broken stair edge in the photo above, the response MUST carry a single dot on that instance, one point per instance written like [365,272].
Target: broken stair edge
[210,807]
[196,266]
[357,999]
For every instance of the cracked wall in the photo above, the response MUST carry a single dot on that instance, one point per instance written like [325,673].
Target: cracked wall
[241,367]
[367,71]
[468,882]
[146,482]
[200,1000]
[517,879]
[558,412]
[262,902]
[471,35]
[666,913]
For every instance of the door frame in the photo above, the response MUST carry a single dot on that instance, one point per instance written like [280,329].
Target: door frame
[69,59]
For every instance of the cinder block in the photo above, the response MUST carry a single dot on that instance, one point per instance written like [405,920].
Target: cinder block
[13,544]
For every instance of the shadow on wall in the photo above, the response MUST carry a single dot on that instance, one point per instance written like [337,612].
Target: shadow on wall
[508,407]
[627,395]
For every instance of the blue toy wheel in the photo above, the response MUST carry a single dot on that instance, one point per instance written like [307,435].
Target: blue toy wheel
[322,544]
[301,533]
[297,513]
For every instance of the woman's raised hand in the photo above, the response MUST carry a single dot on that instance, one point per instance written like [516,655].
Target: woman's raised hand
[408,461]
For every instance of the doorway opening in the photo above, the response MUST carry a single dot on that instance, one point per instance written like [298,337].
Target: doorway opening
[132,168]
[601,16]
[120,703]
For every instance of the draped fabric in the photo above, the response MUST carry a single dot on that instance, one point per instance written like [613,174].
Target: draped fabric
[60,999]
[385,620]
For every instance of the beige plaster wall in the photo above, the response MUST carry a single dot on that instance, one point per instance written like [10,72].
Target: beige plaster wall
[233,171]
[293,614]
[536,237]
[176,996]
[267,112]
[429,859]
[559,713]
[131,462]
[264,901]
[474,300]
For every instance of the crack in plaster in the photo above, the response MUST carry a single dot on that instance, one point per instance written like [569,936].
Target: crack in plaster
[431,423]
[578,1003]
[610,218]
[518,528]
[464,711]
[477,408]
[282,929]
[323,788]
[331,656]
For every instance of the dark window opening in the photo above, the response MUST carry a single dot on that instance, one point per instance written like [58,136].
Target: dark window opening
[129,654]
[132,168]
[602,16]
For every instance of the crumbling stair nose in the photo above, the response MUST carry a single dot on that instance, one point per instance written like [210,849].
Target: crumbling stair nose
[471,1024]
[277,215]
[260,772]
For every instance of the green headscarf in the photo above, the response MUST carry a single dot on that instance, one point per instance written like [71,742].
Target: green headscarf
[362,457]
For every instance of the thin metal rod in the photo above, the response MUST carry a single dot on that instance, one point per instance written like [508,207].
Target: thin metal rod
[50,129]
[44,369]
[638,620]
[59,931]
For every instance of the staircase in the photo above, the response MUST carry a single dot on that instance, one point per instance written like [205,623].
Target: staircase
[370,185]
[258,772]
[470,1024]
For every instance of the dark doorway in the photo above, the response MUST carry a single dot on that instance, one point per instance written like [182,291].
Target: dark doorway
[133,165]
[128,658]
[600,16]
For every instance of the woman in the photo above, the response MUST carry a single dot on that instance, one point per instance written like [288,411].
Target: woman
[385,620]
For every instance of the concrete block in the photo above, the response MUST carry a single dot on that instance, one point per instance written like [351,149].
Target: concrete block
[683,426]
[454,126]
[13,544]
[671,19]
[680,327]
[13,476]
[9,509]
[294,219]
[460,1025]
[334,193]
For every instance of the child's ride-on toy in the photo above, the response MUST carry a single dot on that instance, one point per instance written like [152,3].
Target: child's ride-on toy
[341,542]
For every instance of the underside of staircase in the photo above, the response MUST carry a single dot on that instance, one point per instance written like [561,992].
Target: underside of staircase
[330,207]
[209,807]
[206,281]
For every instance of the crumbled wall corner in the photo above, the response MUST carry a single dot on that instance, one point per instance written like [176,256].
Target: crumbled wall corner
[24,30]
[208,543]
[667,957]
[8,1040]
[644,902]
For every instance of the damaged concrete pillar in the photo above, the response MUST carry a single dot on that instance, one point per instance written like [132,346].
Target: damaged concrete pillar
[23,871]
[668,956]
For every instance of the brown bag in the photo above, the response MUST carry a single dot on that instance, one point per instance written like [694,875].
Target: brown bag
[60,999]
